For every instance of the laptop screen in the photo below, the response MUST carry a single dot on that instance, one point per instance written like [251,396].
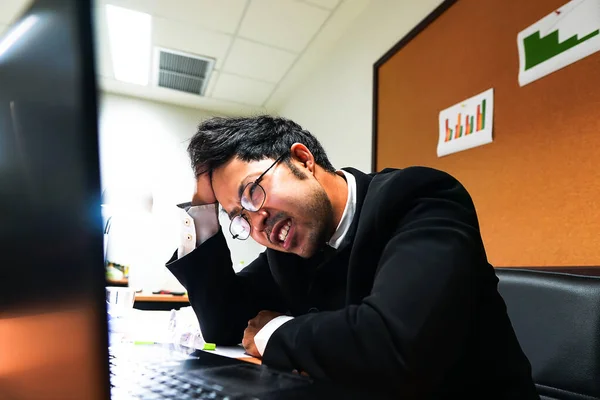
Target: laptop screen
[52,309]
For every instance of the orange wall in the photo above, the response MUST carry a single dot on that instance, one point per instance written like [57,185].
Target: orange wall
[537,186]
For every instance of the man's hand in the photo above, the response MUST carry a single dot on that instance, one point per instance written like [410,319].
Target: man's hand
[255,325]
[203,192]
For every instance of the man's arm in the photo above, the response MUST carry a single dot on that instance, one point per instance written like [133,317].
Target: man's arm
[223,300]
[413,325]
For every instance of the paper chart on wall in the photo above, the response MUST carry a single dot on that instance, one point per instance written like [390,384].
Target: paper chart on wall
[467,124]
[561,38]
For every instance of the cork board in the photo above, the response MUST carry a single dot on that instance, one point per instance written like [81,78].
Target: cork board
[537,186]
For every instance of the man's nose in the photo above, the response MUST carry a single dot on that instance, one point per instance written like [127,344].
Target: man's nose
[258,220]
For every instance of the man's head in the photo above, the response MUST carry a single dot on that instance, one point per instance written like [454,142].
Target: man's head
[296,213]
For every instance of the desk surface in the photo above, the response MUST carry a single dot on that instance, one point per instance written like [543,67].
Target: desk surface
[153,327]
[161,297]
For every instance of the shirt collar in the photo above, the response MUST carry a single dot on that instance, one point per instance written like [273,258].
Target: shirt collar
[348,215]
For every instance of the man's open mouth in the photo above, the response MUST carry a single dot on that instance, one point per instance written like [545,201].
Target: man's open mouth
[281,231]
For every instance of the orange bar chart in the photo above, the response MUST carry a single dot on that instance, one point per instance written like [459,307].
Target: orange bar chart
[466,124]
[470,124]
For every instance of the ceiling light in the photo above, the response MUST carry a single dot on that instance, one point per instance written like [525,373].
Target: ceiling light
[14,34]
[129,34]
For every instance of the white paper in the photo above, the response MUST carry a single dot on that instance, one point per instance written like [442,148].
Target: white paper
[561,38]
[230,351]
[150,326]
[467,124]
[154,326]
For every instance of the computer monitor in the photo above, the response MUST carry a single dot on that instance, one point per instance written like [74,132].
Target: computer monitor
[53,336]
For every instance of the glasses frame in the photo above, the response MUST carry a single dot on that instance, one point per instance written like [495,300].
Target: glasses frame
[255,183]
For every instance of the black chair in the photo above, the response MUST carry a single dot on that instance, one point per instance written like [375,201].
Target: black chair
[556,317]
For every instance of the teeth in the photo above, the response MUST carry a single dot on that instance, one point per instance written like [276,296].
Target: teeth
[284,231]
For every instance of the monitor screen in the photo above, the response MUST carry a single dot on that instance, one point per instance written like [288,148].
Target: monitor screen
[52,319]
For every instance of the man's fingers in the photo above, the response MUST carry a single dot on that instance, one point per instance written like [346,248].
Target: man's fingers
[247,339]
[203,193]
[252,350]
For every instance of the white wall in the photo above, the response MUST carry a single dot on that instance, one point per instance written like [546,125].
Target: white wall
[143,143]
[335,103]
[142,153]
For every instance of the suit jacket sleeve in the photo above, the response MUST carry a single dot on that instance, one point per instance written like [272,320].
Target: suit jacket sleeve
[223,300]
[413,325]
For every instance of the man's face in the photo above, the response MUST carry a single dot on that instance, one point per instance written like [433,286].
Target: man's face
[299,206]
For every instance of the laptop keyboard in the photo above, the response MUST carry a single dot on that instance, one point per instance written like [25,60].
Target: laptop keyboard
[144,380]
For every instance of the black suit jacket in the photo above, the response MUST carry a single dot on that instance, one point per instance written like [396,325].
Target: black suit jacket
[408,303]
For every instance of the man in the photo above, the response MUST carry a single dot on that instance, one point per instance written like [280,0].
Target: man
[379,278]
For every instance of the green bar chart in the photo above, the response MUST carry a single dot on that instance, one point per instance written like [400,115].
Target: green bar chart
[563,37]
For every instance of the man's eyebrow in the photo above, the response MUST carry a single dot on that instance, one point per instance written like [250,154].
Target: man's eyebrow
[241,187]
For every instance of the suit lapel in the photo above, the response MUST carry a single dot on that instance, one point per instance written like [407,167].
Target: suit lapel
[362,256]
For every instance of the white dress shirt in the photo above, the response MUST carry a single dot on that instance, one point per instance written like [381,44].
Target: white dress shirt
[198,224]
[204,223]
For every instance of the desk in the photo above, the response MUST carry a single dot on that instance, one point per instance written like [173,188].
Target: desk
[164,302]
[117,282]
[152,329]
[161,298]
[146,326]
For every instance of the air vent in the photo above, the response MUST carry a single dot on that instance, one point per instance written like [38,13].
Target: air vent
[183,72]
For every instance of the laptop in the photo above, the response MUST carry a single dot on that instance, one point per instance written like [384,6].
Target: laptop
[53,322]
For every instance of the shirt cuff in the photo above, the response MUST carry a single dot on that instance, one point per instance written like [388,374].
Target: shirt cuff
[198,224]
[262,337]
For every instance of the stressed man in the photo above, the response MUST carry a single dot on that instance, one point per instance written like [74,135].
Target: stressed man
[379,278]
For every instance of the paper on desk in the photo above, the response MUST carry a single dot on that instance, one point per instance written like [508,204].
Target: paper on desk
[179,327]
[229,351]
[150,326]
[186,329]
[235,352]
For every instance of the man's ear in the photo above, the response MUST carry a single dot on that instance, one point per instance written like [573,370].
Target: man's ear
[300,153]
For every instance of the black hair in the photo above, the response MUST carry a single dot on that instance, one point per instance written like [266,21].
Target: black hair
[219,139]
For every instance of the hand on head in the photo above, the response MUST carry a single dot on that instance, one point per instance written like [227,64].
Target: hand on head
[203,191]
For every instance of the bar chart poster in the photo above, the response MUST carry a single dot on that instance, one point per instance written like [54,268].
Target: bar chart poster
[467,124]
[559,39]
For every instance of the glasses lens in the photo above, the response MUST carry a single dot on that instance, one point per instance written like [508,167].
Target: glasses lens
[253,197]
[239,228]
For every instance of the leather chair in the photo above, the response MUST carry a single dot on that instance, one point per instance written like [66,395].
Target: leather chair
[556,317]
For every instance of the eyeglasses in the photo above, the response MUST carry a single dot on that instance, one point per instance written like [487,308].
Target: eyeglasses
[252,199]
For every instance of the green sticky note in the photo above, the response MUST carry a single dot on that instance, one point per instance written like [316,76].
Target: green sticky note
[209,346]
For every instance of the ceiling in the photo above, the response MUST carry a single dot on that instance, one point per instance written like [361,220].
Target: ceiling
[263,48]
[9,10]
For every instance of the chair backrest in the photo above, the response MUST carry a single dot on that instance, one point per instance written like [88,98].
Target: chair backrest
[556,317]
